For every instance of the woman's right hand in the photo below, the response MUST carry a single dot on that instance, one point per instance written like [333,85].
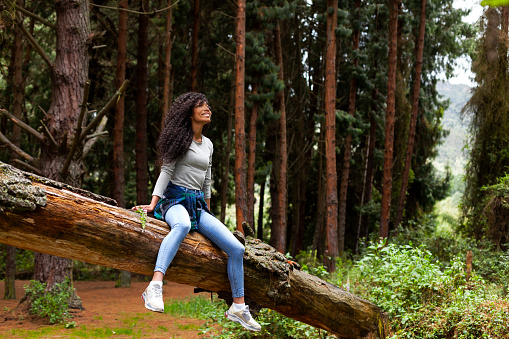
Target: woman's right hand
[148,208]
[145,208]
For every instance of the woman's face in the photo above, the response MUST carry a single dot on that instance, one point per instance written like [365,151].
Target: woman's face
[201,114]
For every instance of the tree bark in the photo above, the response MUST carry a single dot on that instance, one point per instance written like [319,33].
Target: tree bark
[141,108]
[345,173]
[278,235]
[251,160]
[413,118]
[194,44]
[167,63]
[259,232]
[226,161]
[118,134]
[332,250]
[17,110]
[240,142]
[68,78]
[385,215]
[10,272]
[56,219]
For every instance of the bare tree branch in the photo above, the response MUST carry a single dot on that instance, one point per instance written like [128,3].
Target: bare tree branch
[35,16]
[94,137]
[77,134]
[29,167]
[34,43]
[15,148]
[24,126]
[113,101]
[48,135]
[136,12]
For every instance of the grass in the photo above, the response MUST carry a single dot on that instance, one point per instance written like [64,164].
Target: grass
[133,326]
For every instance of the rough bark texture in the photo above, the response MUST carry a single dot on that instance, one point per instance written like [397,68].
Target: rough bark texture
[141,108]
[10,272]
[194,45]
[413,119]
[68,78]
[124,279]
[345,173]
[61,222]
[240,142]
[118,134]
[167,63]
[278,236]
[251,160]
[332,250]
[389,121]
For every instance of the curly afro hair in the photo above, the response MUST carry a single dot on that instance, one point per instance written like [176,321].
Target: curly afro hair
[177,133]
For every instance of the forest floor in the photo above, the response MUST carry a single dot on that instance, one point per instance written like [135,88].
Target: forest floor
[108,311]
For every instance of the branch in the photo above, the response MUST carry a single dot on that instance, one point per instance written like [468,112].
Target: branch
[113,101]
[48,135]
[35,16]
[136,12]
[93,137]
[34,43]
[21,124]
[29,167]
[77,135]
[16,149]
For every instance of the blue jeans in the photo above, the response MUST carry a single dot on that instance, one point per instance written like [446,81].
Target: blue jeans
[180,224]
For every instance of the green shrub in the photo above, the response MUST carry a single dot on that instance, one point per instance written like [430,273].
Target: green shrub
[425,299]
[53,304]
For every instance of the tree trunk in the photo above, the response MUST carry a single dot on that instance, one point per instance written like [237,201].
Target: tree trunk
[167,63]
[10,272]
[278,236]
[240,142]
[194,44]
[259,233]
[141,108]
[389,120]
[331,195]
[226,161]
[251,160]
[118,134]
[59,220]
[68,78]
[413,119]
[343,190]
[17,111]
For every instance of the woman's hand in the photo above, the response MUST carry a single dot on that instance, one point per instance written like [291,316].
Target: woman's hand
[148,208]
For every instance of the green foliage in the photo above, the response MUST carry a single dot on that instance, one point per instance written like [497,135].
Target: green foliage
[52,304]
[274,325]
[426,299]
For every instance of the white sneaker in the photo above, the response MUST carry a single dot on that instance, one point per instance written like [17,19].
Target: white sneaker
[153,297]
[243,317]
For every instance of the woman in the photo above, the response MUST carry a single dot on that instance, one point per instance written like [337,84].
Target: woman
[181,197]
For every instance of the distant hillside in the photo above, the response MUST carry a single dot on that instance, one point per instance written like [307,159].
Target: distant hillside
[451,151]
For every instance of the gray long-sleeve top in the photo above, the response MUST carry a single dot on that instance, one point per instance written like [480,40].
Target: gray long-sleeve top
[193,171]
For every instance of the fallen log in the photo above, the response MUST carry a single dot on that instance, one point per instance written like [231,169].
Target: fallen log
[46,216]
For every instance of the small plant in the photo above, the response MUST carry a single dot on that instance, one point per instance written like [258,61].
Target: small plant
[143,217]
[53,304]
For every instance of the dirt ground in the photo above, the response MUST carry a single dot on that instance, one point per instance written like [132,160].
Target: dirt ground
[105,307]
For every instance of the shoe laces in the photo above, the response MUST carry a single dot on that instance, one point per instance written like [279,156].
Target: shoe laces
[158,292]
[246,314]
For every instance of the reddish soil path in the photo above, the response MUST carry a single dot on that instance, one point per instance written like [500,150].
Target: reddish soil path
[107,307]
